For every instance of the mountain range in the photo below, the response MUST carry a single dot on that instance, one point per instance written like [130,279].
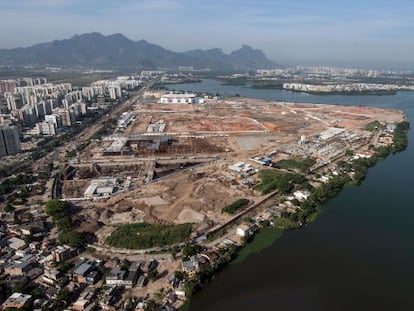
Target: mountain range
[117,51]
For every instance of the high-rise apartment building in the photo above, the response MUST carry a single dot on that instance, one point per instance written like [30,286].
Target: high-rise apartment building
[9,140]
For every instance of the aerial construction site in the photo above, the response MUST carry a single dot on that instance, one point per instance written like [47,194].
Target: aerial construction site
[183,163]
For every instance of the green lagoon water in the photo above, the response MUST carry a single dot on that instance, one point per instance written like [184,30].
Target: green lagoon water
[357,255]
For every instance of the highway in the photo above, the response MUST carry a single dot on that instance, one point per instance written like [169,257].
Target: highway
[60,152]
[89,132]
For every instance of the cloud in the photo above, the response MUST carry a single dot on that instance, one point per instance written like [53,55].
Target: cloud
[300,29]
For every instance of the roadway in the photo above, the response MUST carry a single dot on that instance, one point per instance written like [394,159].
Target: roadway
[60,152]
[89,132]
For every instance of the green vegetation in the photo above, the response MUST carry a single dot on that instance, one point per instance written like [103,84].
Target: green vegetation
[275,85]
[235,206]
[284,222]
[64,266]
[107,127]
[311,207]
[372,126]
[51,143]
[264,239]
[277,180]
[72,238]
[400,141]
[11,184]
[144,235]
[192,249]
[217,234]
[153,275]
[349,152]
[47,145]
[59,211]
[9,208]
[301,164]
[21,286]
[14,168]
[206,273]
[359,168]
[64,296]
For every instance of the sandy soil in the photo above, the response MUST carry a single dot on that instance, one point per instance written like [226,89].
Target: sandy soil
[234,129]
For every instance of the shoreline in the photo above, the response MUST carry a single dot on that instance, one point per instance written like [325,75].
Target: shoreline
[362,167]
[251,84]
[349,93]
[301,214]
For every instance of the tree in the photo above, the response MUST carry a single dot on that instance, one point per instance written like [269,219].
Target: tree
[153,275]
[145,235]
[235,206]
[174,250]
[65,266]
[9,208]
[63,223]
[62,282]
[50,166]
[192,249]
[205,273]
[125,263]
[36,293]
[180,275]
[72,238]
[56,209]
[64,296]
[21,286]
[16,220]
[349,152]
[130,306]
[284,186]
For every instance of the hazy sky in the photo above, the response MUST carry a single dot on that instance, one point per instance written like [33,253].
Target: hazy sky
[289,31]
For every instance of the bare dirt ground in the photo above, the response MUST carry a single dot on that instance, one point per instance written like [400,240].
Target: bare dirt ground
[184,198]
[235,130]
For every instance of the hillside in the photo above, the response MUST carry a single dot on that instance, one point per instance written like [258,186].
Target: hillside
[97,50]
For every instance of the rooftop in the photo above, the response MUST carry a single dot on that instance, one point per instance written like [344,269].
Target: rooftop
[17,299]
[15,243]
[174,95]
[82,269]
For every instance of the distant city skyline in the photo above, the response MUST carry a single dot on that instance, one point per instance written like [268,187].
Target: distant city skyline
[352,33]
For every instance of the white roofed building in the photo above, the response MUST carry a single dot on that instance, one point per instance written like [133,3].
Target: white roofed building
[173,98]
[101,187]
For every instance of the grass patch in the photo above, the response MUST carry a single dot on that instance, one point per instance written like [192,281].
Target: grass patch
[235,206]
[301,164]
[276,180]
[186,305]
[144,235]
[264,239]
[374,125]
[285,223]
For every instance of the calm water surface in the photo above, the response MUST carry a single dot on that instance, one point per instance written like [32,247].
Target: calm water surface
[359,253]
